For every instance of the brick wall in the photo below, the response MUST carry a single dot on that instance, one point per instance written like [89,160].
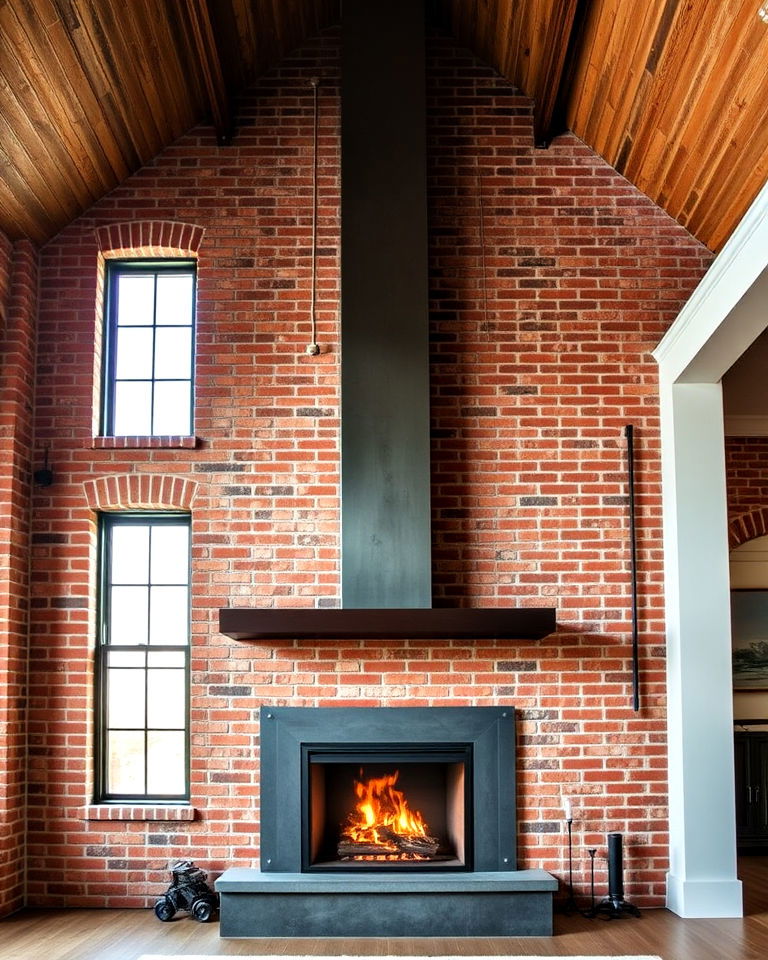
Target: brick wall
[746,466]
[541,337]
[18,289]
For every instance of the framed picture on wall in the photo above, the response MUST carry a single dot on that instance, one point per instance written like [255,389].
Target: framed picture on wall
[749,636]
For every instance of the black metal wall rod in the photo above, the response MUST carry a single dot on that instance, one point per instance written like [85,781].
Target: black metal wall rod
[633,567]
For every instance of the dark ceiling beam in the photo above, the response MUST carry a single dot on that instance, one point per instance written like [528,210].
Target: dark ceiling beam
[210,64]
[563,29]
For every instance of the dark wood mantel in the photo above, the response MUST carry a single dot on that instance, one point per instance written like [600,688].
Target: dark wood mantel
[433,623]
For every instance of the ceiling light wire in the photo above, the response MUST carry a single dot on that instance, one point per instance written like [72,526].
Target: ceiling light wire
[483,270]
[484,284]
[312,347]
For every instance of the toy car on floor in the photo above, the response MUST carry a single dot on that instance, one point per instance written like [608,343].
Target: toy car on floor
[188,891]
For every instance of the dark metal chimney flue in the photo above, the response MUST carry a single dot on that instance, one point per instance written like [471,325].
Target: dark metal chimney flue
[386,577]
[385,457]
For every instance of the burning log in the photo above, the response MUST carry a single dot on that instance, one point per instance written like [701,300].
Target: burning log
[423,846]
[349,848]
[391,844]
[384,826]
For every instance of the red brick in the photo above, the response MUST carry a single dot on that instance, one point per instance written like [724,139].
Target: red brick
[538,364]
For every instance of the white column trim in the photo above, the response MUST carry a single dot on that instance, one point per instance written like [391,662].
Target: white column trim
[726,312]
[702,815]
[737,267]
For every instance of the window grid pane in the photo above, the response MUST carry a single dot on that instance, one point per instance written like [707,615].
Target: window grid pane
[126,766]
[173,353]
[126,697]
[133,409]
[144,690]
[134,353]
[171,407]
[169,615]
[165,772]
[128,615]
[135,295]
[175,298]
[150,350]
[169,564]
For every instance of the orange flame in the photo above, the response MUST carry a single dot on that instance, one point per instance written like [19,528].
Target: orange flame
[381,806]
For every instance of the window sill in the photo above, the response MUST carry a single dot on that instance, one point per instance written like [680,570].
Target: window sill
[144,443]
[109,811]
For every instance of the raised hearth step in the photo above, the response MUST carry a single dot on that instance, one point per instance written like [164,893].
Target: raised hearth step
[252,880]
[515,903]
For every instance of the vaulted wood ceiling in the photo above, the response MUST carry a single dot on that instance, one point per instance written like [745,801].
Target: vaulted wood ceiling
[673,93]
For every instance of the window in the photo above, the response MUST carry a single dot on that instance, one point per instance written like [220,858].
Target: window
[149,348]
[143,658]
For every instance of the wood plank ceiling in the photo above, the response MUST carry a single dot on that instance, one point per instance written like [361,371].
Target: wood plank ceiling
[672,93]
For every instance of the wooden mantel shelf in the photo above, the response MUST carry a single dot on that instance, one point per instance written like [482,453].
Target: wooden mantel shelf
[433,623]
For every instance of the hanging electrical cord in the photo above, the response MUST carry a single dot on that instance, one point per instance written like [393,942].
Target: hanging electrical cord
[481,211]
[313,347]
[486,327]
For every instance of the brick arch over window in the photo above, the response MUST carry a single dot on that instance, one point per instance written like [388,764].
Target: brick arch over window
[149,238]
[140,491]
[747,527]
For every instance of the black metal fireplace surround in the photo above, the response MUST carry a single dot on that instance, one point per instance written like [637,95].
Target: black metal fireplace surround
[460,760]
[454,874]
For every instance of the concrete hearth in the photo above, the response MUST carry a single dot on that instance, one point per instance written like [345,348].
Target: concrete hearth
[494,904]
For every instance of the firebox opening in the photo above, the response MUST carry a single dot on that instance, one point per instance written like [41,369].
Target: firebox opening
[382,807]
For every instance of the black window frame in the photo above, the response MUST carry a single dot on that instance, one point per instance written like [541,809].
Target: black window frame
[107,522]
[114,269]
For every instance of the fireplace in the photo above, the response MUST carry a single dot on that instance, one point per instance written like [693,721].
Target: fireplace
[385,807]
[387,821]
[377,789]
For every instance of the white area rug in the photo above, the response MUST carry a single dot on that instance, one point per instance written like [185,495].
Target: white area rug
[207,956]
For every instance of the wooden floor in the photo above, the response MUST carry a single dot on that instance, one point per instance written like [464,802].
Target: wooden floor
[131,934]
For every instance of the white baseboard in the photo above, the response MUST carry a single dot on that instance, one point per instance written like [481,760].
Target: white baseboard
[704,898]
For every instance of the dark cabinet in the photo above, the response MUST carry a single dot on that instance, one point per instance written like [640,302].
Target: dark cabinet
[751,766]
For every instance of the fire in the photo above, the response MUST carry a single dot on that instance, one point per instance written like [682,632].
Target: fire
[384,824]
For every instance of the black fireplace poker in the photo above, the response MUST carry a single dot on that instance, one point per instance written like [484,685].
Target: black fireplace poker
[570,906]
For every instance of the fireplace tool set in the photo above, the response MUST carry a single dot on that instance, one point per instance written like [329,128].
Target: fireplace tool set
[614,905]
